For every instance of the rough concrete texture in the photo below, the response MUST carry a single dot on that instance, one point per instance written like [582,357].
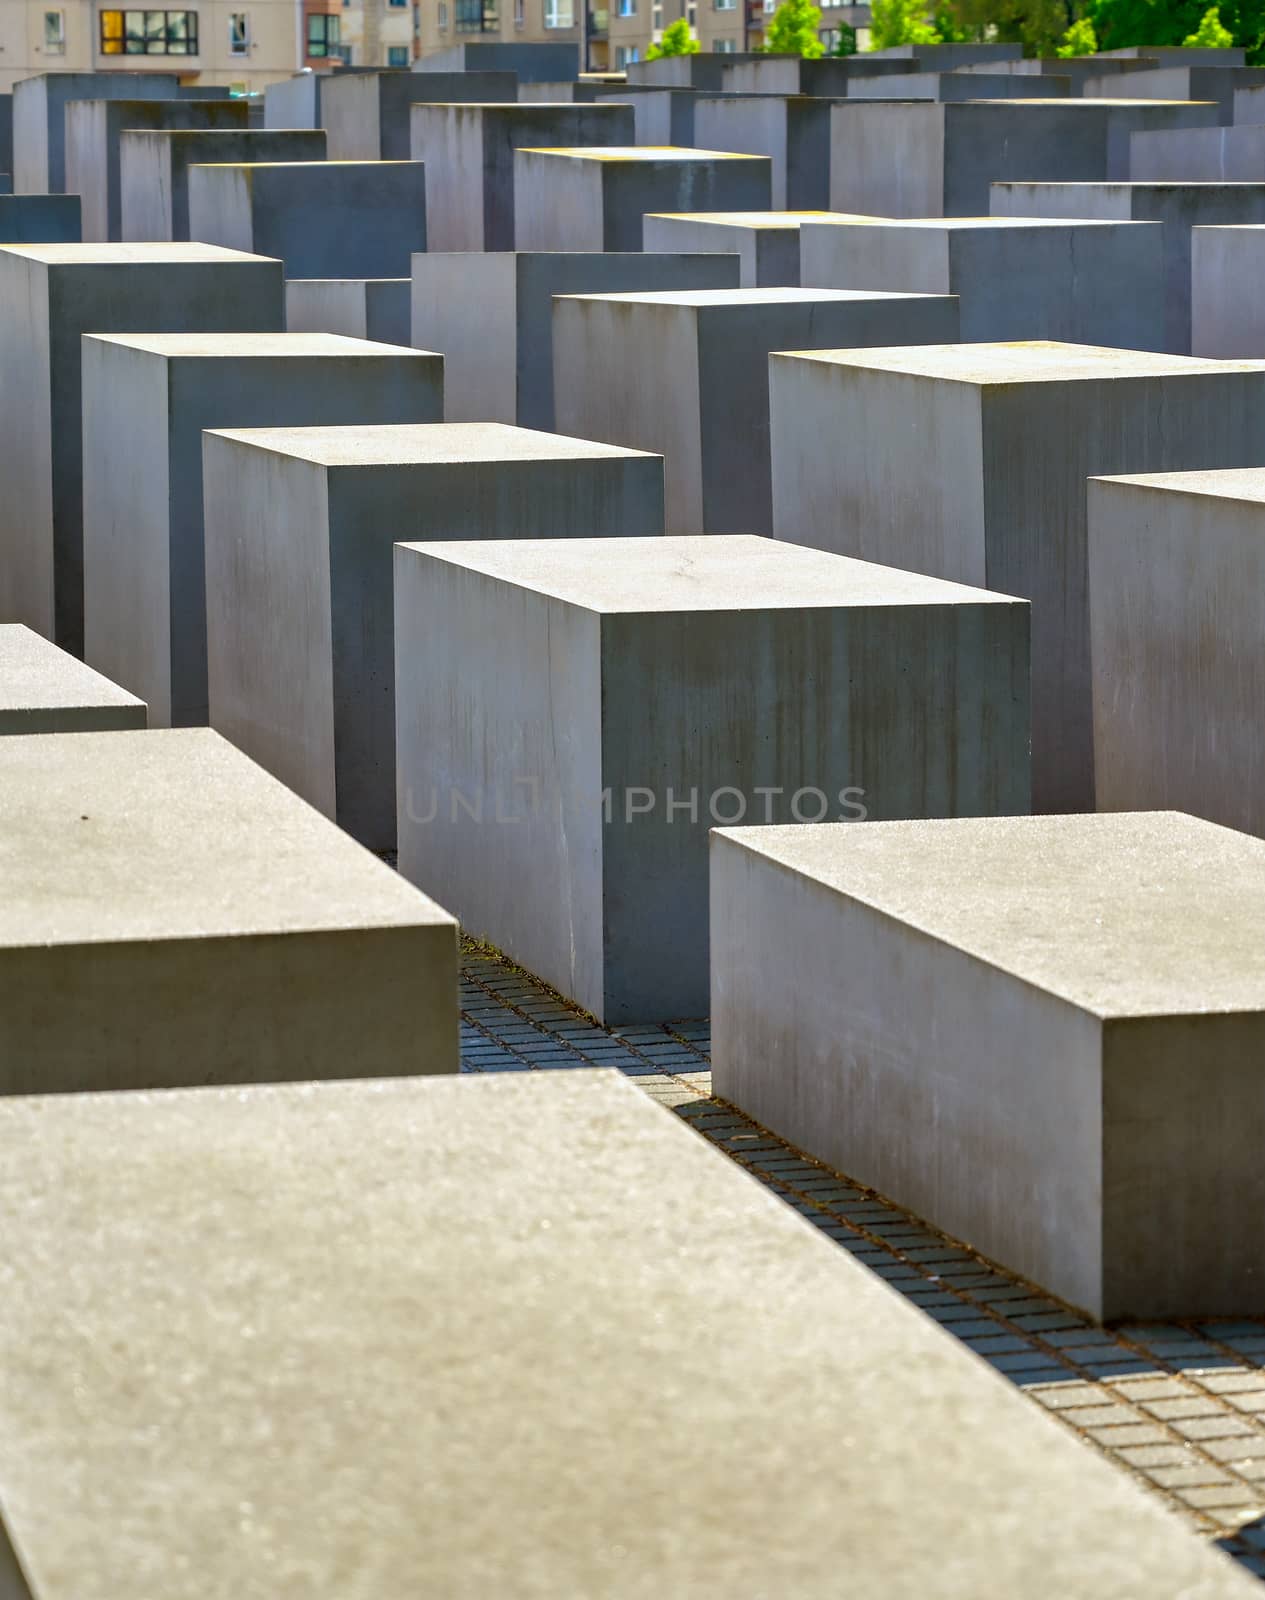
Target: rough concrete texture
[950,56]
[50,295]
[696,681]
[299,528]
[173,916]
[93,129]
[595,199]
[1227,318]
[660,116]
[39,219]
[39,118]
[533,63]
[1179,206]
[152,396]
[792,130]
[299,102]
[1042,1034]
[362,308]
[154,169]
[831,76]
[970,462]
[950,86]
[1015,278]
[323,219]
[469,156]
[686,374]
[1217,83]
[767,242]
[44,690]
[1175,585]
[939,160]
[1204,155]
[492,317]
[366,116]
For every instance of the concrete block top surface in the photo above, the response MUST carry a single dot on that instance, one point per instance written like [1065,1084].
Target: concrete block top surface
[1243,484]
[305,167]
[706,572]
[36,676]
[1126,914]
[1027,361]
[740,299]
[976,224]
[756,219]
[177,345]
[423,443]
[643,153]
[412,1331]
[174,834]
[158,253]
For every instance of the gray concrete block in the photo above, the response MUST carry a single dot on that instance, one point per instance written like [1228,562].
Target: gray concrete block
[1248,104]
[533,63]
[828,75]
[39,121]
[469,155]
[793,131]
[6,133]
[50,295]
[1175,585]
[492,317]
[1227,319]
[173,917]
[1179,55]
[1041,1034]
[767,242]
[1203,155]
[151,396]
[595,199]
[686,374]
[1179,206]
[366,116]
[660,116]
[970,462]
[154,169]
[952,86]
[579,90]
[93,128]
[44,690]
[323,219]
[948,57]
[705,69]
[939,160]
[618,698]
[39,218]
[1216,83]
[299,528]
[362,308]
[1016,278]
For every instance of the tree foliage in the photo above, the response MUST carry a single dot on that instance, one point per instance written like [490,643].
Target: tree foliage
[845,41]
[1079,40]
[793,30]
[676,41]
[1043,27]
[895,22]
[1211,34]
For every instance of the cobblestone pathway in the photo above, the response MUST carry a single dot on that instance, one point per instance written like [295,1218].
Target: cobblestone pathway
[1181,1406]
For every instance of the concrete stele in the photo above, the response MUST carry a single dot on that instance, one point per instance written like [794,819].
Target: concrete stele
[767,242]
[44,690]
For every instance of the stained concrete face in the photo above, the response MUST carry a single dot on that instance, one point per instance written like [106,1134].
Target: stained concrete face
[1177,700]
[469,156]
[154,169]
[336,219]
[686,374]
[144,567]
[660,116]
[6,135]
[1178,206]
[793,131]
[948,57]
[299,623]
[1016,278]
[533,63]
[50,295]
[970,462]
[39,123]
[596,199]
[44,690]
[950,86]
[366,117]
[173,916]
[1067,1011]
[492,317]
[939,160]
[39,219]
[1217,83]
[1204,155]
[759,74]
[362,308]
[678,670]
[93,129]
[767,242]
[1227,320]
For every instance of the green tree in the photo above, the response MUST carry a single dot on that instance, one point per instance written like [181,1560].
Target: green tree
[1038,25]
[846,42]
[895,22]
[1079,40]
[792,30]
[676,41]
[1124,22]
[1211,34]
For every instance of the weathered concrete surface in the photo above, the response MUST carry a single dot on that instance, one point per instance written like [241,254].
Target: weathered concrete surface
[1015,278]
[154,169]
[950,86]
[50,295]
[686,374]
[767,242]
[1175,584]
[1227,317]
[948,57]
[696,680]
[323,219]
[970,462]
[533,63]
[299,528]
[792,130]
[596,199]
[1203,155]
[362,308]
[492,317]
[1042,1034]
[939,160]
[44,690]
[299,102]
[1179,206]
[39,122]
[39,219]
[172,916]
[151,396]
[828,75]
[6,134]
[366,117]
[93,128]
[469,155]
[1217,83]
[660,116]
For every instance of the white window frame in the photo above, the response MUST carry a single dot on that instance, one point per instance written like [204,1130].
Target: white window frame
[239,42]
[559,13]
[55,44]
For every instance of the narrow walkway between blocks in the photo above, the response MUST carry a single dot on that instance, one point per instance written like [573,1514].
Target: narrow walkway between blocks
[1181,1406]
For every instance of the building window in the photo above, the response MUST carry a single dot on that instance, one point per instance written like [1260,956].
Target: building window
[478,16]
[520,13]
[443,17]
[724,5]
[238,33]
[559,13]
[627,8]
[624,54]
[323,35]
[149,33]
[397,55]
[55,33]
[725,47]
